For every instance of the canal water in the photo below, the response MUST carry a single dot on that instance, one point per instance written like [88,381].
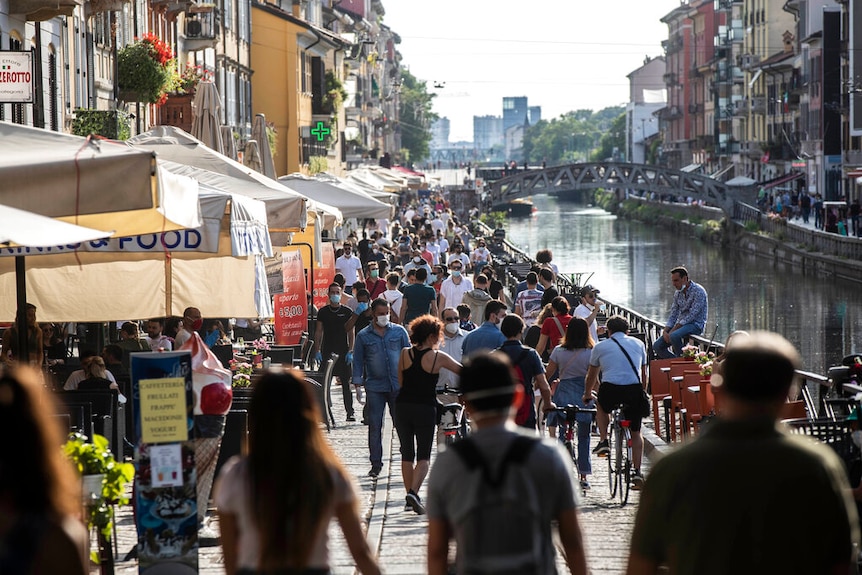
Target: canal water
[630,263]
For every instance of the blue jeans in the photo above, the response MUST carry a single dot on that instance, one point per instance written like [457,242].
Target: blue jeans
[375,403]
[677,340]
[571,391]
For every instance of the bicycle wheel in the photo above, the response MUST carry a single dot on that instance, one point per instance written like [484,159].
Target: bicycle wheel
[570,449]
[612,462]
[625,464]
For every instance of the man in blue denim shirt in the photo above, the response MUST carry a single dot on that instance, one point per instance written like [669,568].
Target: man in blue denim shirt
[375,366]
[687,314]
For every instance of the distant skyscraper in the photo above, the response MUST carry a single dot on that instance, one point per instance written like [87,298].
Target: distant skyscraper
[515,112]
[440,133]
[487,132]
[535,114]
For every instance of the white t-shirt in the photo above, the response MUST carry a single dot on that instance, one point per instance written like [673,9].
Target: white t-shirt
[349,268]
[454,293]
[394,297]
[584,312]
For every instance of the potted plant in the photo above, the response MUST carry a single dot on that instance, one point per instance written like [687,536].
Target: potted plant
[241,374]
[109,485]
[146,71]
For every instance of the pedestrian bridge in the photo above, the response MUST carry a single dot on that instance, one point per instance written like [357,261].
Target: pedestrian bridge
[619,175]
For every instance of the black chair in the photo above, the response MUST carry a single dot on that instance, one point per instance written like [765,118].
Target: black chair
[224,353]
[282,354]
[321,383]
[235,436]
[80,412]
[106,415]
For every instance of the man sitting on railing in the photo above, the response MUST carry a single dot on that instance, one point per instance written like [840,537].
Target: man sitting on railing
[687,314]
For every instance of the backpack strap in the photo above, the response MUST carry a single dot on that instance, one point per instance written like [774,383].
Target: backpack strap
[517,452]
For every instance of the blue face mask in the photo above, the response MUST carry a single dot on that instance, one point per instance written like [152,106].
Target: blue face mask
[432,278]
[456,273]
[335,298]
[361,307]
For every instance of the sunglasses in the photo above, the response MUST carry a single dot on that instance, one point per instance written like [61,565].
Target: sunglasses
[450,319]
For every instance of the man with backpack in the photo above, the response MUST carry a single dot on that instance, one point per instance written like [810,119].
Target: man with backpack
[498,492]
[528,368]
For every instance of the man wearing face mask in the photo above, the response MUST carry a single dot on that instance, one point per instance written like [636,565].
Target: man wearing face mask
[373,282]
[454,287]
[349,266]
[375,366]
[332,336]
[418,262]
[488,335]
[453,340]
[192,321]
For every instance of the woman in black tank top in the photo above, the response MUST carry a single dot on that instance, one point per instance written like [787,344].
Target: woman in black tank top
[416,406]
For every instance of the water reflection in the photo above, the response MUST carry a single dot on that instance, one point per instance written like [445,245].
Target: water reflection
[631,263]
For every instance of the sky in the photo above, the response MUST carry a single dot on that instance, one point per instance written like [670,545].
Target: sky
[564,55]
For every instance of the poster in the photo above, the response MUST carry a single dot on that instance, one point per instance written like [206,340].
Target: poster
[291,307]
[323,275]
[165,478]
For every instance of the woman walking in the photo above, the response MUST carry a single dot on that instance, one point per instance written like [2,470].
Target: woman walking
[572,358]
[275,504]
[416,406]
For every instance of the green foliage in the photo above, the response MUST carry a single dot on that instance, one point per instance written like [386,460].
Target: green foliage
[493,219]
[95,458]
[335,93]
[613,142]
[317,164]
[416,116]
[140,75]
[574,137]
[752,227]
[111,124]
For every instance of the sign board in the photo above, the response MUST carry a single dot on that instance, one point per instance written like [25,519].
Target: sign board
[291,306]
[16,77]
[323,275]
[163,410]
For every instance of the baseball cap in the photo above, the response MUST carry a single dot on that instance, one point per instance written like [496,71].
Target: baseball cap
[587,290]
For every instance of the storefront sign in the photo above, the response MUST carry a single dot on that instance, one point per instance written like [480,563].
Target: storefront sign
[323,275]
[163,410]
[16,77]
[291,307]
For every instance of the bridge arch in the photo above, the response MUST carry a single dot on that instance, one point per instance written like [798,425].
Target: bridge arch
[619,175]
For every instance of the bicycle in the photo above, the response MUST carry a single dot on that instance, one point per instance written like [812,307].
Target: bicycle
[620,455]
[567,431]
[452,418]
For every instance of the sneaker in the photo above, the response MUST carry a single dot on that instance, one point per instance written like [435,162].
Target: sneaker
[407,506]
[602,449]
[637,481]
[415,503]
[351,417]
[585,485]
[594,431]
[375,470]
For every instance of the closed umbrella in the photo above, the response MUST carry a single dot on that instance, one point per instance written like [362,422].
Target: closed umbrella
[258,132]
[228,143]
[206,109]
[251,156]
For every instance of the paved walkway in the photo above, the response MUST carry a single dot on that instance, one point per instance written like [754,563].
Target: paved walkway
[399,536]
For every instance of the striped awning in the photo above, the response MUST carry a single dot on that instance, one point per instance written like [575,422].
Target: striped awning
[782,180]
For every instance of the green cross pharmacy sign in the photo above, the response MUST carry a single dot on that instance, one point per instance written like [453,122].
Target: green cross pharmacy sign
[320,131]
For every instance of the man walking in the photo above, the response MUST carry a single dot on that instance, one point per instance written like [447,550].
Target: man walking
[687,314]
[375,366]
[350,267]
[753,524]
[621,359]
[528,304]
[588,310]
[419,299]
[536,475]
[332,336]
[454,287]
[488,335]
[530,364]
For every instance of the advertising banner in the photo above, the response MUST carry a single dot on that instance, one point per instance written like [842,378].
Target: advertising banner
[166,489]
[323,275]
[16,77]
[291,306]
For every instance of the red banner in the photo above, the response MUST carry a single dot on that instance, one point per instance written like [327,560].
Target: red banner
[291,307]
[323,275]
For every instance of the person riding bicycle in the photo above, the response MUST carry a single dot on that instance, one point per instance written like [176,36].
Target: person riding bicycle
[622,361]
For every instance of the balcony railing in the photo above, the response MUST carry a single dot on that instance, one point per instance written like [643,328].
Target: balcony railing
[201,30]
[42,10]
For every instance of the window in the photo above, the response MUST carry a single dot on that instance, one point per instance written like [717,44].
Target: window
[244,23]
[228,14]
[53,92]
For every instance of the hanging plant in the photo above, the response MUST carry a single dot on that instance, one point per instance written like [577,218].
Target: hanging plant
[335,93]
[147,71]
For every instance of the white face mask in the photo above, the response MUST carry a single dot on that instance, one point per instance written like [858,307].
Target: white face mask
[383,320]
[452,328]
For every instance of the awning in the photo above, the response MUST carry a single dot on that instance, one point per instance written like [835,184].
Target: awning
[782,180]
[690,168]
[854,173]
[722,172]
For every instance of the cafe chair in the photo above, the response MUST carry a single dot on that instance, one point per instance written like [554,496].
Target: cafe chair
[282,354]
[321,384]
[106,416]
[224,353]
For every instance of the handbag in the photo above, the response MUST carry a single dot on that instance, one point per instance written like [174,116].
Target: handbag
[645,402]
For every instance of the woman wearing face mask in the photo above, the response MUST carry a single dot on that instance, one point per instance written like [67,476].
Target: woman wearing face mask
[416,412]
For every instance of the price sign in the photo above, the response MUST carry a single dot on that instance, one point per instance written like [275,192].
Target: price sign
[291,307]
[323,276]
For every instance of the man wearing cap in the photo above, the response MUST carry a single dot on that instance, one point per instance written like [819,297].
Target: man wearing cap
[350,267]
[589,309]
[543,475]
[731,501]
[687,314]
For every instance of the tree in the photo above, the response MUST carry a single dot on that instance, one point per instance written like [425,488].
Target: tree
[415,116]
[613,140]
[574,136]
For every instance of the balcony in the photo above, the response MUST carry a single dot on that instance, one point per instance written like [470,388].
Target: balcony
[852,157]
[672,45]
[798,83]
[753,149]
[42,10]
[673,112]
[201,29]
[748,61]
[741,108]
[758,105]
[670,79]
[100,6]
[171,6]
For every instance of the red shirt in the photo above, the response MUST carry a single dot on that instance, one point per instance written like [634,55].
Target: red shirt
[550,329]
[375,287]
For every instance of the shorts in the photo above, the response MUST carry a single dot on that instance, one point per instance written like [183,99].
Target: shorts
[631,396]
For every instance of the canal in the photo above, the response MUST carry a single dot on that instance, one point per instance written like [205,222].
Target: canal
[630,262]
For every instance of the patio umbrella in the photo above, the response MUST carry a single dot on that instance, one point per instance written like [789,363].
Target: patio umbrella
[251,156]
[206,109]
[26,229]
[258,132]
[353,204]
[228,143]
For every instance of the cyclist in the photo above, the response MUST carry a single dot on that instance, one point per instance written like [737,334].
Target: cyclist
[453,339]
[621,359]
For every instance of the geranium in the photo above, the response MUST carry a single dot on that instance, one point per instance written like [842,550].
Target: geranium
[242,373]
[702,357]
[192,76]
[260,344]
[690,350]
[147,70]
[706,369]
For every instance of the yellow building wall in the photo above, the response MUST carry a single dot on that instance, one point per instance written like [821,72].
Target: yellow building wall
[275,60]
